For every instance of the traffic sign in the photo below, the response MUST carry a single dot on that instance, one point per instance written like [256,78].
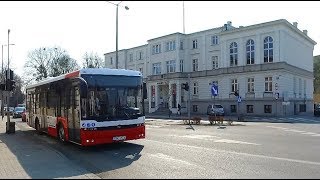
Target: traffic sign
[239,99]
[214,89]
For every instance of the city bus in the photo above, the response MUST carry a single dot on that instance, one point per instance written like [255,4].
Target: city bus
[89,106]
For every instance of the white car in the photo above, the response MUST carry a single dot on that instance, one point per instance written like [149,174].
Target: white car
[216,109]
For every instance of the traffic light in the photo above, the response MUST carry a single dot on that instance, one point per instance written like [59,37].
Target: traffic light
[236,93]
[185,86]
[11,74]
[2,87]
[10,85]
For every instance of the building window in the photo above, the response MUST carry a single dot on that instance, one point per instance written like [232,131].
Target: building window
[234,85]
[181,45]
[233,54]
[250,84]
[249,108]
[214,40]
[195,108]
[302,107]
[294,86]
[156,49]
[171,46]
[195,65]
[181,65]
[195,88]
[111,60]
[214,62]
[131,57]
[268,84]
[233,108]
[250,51]
[156,68]
[267,108]
[171,66]
[140,55]
[195,44]
[268,49]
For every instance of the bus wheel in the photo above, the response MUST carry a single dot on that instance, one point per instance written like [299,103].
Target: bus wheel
[61,134]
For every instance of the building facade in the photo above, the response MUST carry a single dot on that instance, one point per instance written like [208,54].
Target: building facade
[270,65]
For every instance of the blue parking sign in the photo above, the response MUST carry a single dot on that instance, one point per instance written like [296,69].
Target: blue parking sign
[214,89]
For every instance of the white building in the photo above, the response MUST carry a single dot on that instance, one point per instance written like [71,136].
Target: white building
[259,61]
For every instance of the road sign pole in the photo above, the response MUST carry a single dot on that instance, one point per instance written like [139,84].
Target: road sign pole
[189,99]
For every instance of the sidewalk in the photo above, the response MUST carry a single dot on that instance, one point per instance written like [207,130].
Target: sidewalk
[22,157]
[234,118]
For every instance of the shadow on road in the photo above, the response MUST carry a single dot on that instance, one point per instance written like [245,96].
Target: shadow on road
[29,155]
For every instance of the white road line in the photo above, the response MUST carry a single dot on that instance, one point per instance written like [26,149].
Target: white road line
[309,133]
[197,148]
[316,135]
[234,141]
[170,158]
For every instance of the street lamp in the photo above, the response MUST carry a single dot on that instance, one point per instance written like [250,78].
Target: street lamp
[2,57]
[2,77]
[127,8]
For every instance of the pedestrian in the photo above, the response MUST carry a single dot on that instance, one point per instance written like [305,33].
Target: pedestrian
[170,112]
[179,109]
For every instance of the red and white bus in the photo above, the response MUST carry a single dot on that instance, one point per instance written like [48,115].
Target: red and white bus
[89,106]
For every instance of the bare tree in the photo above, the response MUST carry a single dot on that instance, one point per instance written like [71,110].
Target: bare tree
[92,60]
[47,62]
[38,63]
[62,63]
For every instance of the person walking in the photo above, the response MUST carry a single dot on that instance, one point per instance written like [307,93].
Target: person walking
[179,109]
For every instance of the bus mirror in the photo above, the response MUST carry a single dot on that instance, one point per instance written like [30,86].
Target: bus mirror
[145,95]
[83,90]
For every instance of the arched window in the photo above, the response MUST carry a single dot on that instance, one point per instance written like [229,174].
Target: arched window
[268,49]
[233,54]
[250,51]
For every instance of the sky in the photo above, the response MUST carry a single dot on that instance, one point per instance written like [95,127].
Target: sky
[90,26]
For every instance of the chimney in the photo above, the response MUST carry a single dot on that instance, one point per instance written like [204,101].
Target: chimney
[295,24]
[305,32]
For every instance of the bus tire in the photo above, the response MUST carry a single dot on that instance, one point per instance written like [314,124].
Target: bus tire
[61,133]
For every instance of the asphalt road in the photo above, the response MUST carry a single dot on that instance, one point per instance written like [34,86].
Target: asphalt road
[174,150]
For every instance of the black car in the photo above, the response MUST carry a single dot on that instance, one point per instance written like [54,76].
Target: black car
[316,110]
[18,112]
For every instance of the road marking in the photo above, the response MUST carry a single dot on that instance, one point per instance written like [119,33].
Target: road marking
[309,133]
[153,126]
[197,148]
[213,138]
[234,141]
[316,135]
[293,130]
[170,158]
[199,136]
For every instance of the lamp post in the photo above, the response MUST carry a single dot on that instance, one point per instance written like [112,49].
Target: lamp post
[9,130]
[2,78]
[127,8]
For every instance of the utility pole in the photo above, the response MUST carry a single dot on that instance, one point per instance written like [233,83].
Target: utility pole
[189,98]
[8,92]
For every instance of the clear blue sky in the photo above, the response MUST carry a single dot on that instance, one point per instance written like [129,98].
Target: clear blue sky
[80,27]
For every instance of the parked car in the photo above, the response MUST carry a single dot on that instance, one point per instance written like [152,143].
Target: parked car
[18,112]
[216,109]
[11,109]
[316,110]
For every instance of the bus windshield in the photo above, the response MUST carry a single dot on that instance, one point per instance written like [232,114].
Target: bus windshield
[109,101]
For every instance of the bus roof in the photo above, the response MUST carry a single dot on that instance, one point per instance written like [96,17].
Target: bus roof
[95,71]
